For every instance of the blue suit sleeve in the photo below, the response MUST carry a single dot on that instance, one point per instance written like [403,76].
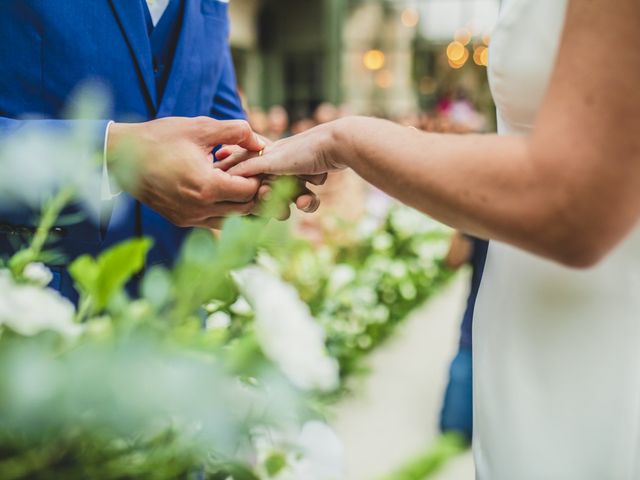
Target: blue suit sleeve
[12,215]
[226,102]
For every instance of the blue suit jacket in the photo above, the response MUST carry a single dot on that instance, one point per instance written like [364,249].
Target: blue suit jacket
[49,47]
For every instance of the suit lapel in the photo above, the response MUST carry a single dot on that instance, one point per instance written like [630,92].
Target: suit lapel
[131,19]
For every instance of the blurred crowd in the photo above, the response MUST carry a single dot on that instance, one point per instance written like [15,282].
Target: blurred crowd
[451,114]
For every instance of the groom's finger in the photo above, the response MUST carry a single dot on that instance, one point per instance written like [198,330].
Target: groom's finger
[229,159]
[227,151]
[222,154]
[233,188]
[231,132]
[224,209]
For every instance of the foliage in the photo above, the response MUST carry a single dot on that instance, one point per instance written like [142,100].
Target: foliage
[219,367]
[360,292]
[138,390]
[427,464]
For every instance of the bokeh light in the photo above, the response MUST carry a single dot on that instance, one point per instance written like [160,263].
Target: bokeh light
[410,17]
[481,55]
[456,51]
[374,59]
[384,79]
[463,36]
[459,61]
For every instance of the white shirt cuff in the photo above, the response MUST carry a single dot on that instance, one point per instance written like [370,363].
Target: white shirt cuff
[109,188]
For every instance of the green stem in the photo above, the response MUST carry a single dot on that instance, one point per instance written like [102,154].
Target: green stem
[447,447]
[52,210]
[84,308]
[50,213]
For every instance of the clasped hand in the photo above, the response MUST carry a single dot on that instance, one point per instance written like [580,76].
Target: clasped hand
[309,156]
[175,173]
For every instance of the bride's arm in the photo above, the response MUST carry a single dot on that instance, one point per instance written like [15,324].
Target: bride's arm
[570,191]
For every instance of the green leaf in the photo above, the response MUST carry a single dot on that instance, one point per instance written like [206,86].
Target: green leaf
[101,279]
[283,192]
[238,242]
[275,463]
[197,273]
[117,265]
[199,247]
[157,287]
[84,272]
[446,448]
[202,273]
[244,355]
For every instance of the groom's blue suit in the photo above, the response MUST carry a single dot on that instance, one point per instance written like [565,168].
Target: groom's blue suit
[181,67]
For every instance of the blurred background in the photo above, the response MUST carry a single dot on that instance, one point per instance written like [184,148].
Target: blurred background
[421,63]
[414,61]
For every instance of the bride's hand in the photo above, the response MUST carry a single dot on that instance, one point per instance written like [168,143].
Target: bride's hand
[305,200]
[306,155]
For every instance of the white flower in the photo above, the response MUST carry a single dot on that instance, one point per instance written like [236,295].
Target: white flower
[286,331]
[341,276]
[38,274]
[432,250]
[241,307]
[379,204]
[382,241]
[29,310]
[218,320]
[398,269]
[316,453]
[269,263]
[408,222]
[322,453]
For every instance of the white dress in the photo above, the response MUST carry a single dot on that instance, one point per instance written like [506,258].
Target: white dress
[556,351]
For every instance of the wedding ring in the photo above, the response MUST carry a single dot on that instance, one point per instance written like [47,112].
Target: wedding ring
[261,152]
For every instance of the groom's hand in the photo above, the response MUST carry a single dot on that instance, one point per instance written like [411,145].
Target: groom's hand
[174,169]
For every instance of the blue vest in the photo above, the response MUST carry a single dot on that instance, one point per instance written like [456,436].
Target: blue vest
[164,40]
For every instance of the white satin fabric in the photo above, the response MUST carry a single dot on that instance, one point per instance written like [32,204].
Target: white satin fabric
[556,351]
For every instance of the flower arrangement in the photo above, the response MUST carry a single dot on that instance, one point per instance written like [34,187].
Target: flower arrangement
[221,368]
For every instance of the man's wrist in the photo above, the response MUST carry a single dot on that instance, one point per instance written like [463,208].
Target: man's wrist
[115,133]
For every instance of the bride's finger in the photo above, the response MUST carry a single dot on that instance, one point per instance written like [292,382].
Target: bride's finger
[315,179]
[264,192]
[305,201]
[308,202]
[251,167]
